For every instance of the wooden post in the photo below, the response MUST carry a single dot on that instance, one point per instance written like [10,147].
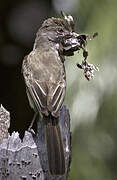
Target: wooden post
[27,159]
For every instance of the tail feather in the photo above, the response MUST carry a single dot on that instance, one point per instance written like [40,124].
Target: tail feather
[54,143]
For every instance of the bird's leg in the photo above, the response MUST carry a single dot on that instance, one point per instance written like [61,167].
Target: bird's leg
[30,129]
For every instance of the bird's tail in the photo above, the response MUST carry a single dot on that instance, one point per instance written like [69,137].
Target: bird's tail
[54,143]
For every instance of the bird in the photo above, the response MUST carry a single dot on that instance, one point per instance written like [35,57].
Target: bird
[45,78]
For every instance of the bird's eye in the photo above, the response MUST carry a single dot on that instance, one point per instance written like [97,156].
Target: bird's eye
[60,30]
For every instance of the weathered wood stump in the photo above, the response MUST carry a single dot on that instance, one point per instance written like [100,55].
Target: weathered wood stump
[27,159]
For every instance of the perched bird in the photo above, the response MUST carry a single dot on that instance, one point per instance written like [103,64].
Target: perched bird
[45,79]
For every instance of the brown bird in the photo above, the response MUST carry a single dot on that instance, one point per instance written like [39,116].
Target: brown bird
[45,79]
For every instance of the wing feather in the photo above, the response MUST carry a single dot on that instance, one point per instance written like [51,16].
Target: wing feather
[39,96]
[56,98]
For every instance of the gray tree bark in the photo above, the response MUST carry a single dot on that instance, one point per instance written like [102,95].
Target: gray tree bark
[27,159]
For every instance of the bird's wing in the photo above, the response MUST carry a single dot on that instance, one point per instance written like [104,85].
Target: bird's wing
[46,96]
[36,91]
[56,97]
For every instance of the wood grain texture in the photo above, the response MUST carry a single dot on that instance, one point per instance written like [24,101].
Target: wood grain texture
[27,159]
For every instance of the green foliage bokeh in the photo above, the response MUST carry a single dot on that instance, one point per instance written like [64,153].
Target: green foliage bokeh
[94,137]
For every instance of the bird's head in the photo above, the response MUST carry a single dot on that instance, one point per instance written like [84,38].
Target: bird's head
[56,28]
[60,33]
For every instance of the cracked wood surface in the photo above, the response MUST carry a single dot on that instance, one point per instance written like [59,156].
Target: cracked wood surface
[27,159]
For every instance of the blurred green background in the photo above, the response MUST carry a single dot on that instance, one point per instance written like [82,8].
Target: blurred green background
[92,105]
